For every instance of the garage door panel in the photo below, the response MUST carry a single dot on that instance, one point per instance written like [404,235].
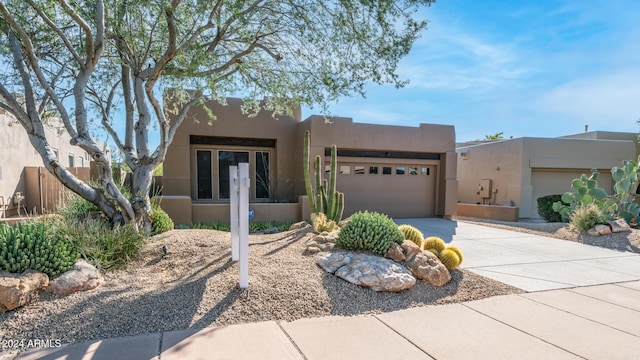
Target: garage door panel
[397,195]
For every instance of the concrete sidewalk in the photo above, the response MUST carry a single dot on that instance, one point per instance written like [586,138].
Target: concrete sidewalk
[531,262]
[597,322]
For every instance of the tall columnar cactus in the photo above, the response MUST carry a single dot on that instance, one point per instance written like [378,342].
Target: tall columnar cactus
[324,199]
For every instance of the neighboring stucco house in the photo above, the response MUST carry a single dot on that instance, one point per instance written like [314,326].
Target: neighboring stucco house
[522,170]
[397,170]
[21,170]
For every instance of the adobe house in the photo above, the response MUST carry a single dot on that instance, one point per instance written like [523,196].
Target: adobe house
[22,174]
[521,170]
[400,171]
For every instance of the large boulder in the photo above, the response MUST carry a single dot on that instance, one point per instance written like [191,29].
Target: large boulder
[619,225]
[395,253]
[82,277]
[426,266]
[372,271]
[19,289]
[410,249]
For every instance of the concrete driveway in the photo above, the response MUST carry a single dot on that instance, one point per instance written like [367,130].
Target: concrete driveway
[531,262]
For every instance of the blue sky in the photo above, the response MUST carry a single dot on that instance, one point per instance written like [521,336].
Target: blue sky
[525,68]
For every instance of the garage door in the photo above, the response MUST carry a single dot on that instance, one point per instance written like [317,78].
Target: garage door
[548,182]
[400,190]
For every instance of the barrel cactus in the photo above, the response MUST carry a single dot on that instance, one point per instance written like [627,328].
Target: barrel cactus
[433,242]
[412,234]
[457,251]
[434,252]
[35,246]
[449,259]
[369,231]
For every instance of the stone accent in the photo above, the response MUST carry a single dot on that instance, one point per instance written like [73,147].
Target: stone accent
[82,277]
[426,266]
[410,249]
[372,271]
[299,225]
[619,225]
[395,253]
[19,289]
[322,242]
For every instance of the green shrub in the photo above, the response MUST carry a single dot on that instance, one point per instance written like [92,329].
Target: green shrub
[36,246]
[412,234]
[103,245]
[369,231]
[75,207]
[545,208]
[160,220]
[585,217]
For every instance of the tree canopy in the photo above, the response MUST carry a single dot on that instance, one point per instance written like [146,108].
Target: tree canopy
[81,62]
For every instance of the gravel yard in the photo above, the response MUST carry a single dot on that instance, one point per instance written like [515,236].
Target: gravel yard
[195,287]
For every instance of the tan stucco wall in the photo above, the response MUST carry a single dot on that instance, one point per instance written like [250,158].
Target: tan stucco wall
[518,159]
[16,152]
[179,172]
[426,138]
[608,135]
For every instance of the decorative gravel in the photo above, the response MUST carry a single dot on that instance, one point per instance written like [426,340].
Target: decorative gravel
[195,286]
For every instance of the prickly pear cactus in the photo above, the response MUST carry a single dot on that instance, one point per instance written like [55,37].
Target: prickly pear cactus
[369,231]
[412,234]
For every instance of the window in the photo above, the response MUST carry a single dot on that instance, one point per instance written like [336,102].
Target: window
[345,169]
[226,159]
[71,158]
[358,170]
[413,171]
[80,161]
[262,175]
[203,174]
[373,170]
[386,170]
[400,170]
[426,171]
[212,178]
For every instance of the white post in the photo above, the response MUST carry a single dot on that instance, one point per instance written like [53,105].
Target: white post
[243,224]
[233,210]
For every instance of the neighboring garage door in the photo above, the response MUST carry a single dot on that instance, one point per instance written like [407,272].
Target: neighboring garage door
[548,182]
[400,190]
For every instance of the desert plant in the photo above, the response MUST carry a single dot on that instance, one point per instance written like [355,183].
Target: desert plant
[324,199]
[75,207]
[412,234]
[103,245]
[449,259]
[545,208]
[35,246]
[434,252]
[160,220]
[320,223]
[457,251]
[585,191]
[434,242]
[370,231]
[626,183]
[587,216]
